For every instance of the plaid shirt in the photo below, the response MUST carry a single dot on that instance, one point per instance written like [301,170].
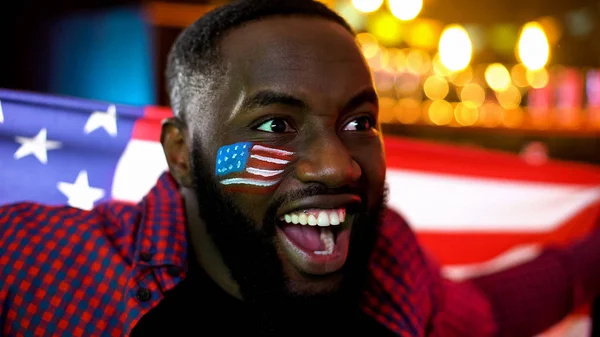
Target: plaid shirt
[69,272]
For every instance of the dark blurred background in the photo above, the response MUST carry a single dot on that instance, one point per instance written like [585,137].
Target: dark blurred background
[115,50]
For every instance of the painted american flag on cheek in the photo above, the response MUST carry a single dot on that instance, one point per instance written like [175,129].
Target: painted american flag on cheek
[252,168]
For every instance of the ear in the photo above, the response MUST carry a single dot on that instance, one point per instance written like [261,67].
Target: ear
[176,150]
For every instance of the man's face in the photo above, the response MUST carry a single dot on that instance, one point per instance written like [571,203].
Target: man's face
[299,95]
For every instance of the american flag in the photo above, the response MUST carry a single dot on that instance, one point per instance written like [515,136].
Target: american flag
[475,210]
[251,164]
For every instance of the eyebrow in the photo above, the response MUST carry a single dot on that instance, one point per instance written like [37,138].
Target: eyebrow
[366,96]
[265,98]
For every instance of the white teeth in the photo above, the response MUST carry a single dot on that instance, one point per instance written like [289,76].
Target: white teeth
[323,219]
[334,219]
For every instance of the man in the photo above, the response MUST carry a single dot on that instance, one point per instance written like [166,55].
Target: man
[272,218]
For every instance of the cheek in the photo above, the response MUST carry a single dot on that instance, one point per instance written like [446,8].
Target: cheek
[250,168]
[372,163]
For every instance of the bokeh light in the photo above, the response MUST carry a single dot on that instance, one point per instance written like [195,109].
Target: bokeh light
[436,87]
[368,44]
[462,78]
[533,48]
[455,48]
[367,6]
[418,62]
[405,10]
[466,113]
[473,93]
[519,75]
[424,33]
[386,28]
[510,98]
[355,18]
[537,78]
[497,77]
[407,110]
[440,112]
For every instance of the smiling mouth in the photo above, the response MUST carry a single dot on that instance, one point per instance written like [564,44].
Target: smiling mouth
[314,240]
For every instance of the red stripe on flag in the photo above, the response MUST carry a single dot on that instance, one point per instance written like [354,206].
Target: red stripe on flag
[467,248]
[425,156]
[148,128]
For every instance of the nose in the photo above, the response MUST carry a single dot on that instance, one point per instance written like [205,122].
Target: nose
[327,161]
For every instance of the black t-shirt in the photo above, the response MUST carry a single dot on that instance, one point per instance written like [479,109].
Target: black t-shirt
[199,307]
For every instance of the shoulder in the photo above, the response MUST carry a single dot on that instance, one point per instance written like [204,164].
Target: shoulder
[38,238]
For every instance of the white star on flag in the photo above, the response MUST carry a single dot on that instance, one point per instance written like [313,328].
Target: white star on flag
[80,194]
[1,114]
[37,146]
[101,119]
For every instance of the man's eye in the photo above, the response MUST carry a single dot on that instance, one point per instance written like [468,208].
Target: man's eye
[363,123]
[277,125]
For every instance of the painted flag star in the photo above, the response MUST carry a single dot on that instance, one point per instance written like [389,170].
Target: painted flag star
[37,146]
[80,194]
[1,114]
[103,119]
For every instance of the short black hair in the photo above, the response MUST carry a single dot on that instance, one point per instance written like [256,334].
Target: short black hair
[193,64]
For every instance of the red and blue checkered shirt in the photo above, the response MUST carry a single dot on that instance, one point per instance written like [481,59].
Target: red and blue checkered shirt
[69,272]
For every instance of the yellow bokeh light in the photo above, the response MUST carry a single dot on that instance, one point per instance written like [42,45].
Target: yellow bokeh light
[473,93]
[533,48]
[407,110]
[386,28]
[436,87]
[438,67]
[537,78]
[368,43]
[509,98]
[491,114]
[497,77]
[380,60]
[466,113]
[398,59]
[462,78]
[418,62]
[455,48]
[386,112]
[513,118]
[405,10]
[367,6]
[424,33]
[519,75]
[441,112]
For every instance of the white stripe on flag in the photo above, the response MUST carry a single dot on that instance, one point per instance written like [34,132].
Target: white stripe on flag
[269,159]
[246,181]
[263,173]
[449,203]
[271,150]
[138,169]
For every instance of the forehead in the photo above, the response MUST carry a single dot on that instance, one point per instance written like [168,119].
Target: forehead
[312,58]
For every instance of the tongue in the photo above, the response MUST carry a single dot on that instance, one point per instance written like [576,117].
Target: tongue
[305,237]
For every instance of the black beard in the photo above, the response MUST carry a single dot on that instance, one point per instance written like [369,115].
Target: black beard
[251,256]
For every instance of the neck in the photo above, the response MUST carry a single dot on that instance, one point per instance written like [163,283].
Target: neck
[204,248]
